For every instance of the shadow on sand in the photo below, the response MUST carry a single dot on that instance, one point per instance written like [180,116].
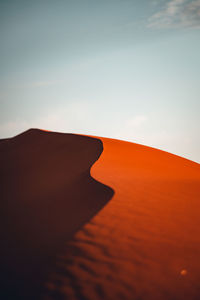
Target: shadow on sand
[47,194]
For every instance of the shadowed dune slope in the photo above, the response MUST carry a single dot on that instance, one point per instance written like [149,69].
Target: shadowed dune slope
[47,194]
[145,243]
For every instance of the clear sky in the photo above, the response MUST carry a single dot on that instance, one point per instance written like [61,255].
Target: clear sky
[124,69]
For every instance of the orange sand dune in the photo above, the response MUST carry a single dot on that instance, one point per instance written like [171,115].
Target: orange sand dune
[142,244]
[145,243]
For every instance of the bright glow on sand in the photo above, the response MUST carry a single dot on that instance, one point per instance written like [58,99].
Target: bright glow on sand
[183,272]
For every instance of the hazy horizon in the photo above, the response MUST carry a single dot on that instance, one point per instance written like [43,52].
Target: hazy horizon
[121,69]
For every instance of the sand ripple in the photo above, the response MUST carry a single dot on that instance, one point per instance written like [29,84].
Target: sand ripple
[144,244]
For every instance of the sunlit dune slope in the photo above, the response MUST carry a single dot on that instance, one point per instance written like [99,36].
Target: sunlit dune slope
[145,243]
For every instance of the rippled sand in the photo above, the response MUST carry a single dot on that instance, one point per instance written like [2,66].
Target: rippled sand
[145,243]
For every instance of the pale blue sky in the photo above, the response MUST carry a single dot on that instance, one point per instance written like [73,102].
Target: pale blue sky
[117,68]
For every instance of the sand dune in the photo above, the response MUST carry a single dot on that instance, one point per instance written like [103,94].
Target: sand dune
[47,195]
[143,244]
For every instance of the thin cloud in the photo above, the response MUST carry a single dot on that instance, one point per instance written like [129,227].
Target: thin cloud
[136,122]
[44,83]
[73,118]
[177,14]
[11,128]
[132,127]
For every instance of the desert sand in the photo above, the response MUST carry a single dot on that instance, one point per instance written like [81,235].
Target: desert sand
[95,218]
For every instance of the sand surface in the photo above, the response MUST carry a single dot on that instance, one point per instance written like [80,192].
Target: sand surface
[140,242]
